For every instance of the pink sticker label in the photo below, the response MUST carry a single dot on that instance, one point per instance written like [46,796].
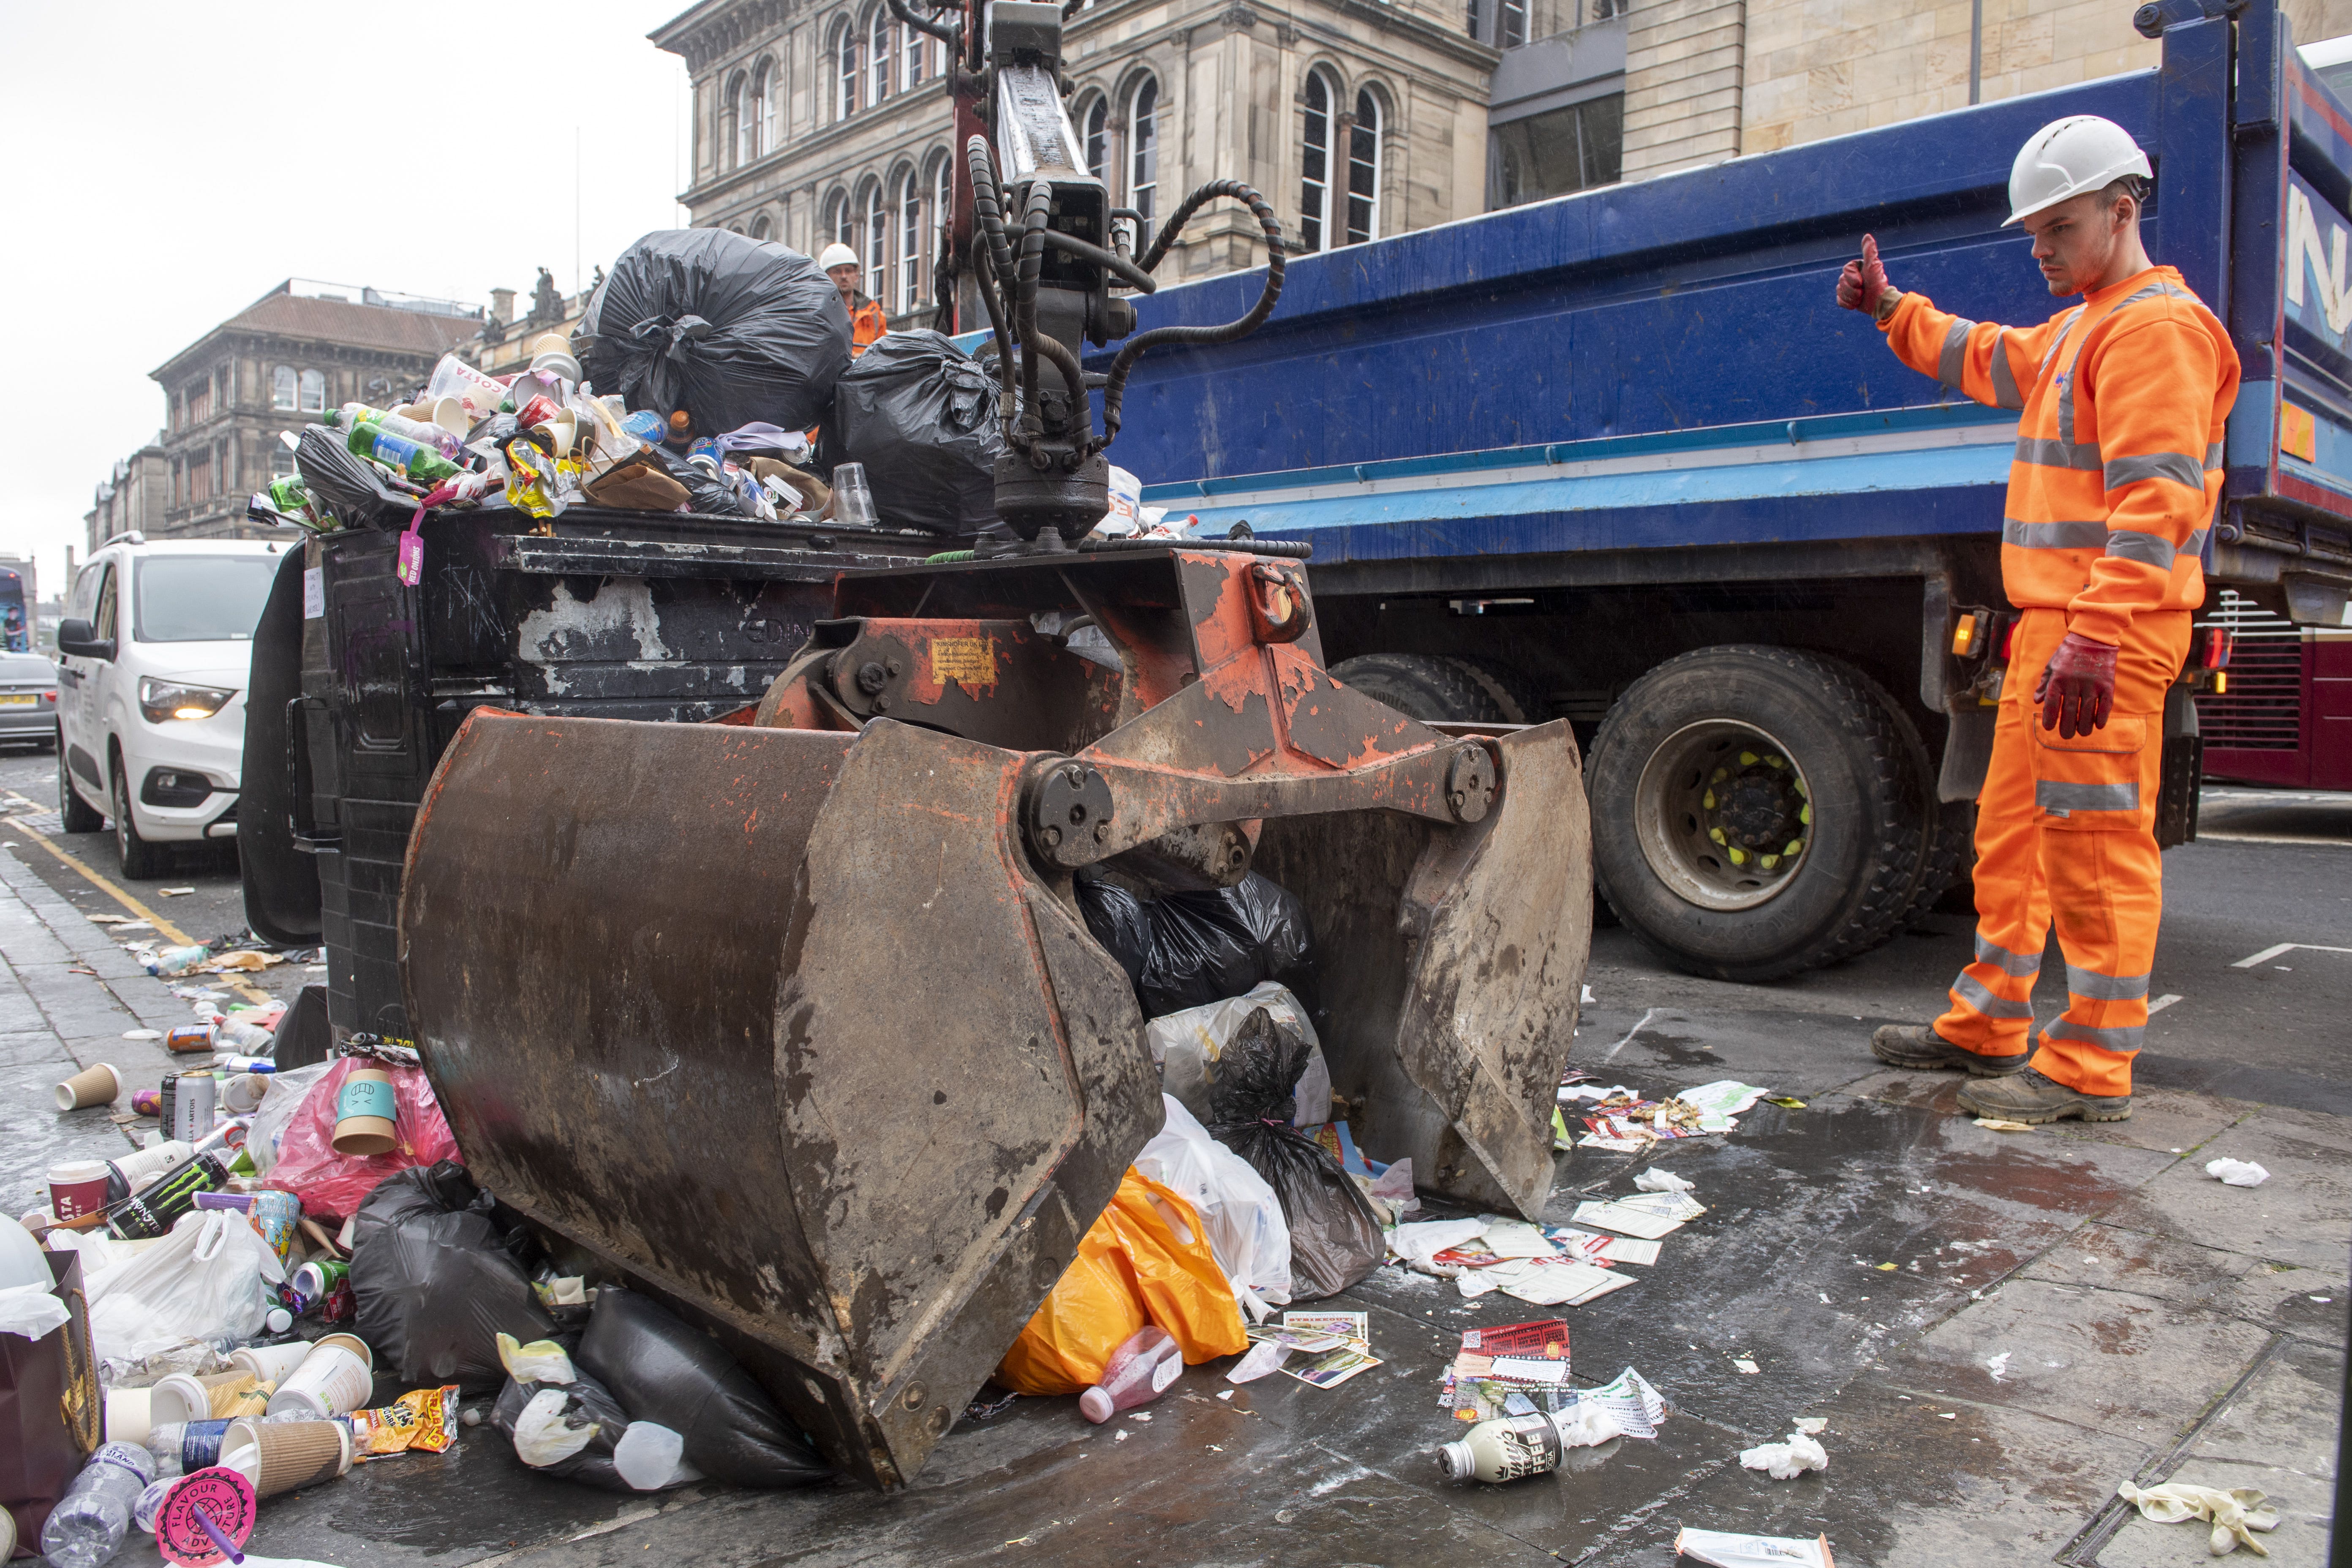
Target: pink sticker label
[411,569]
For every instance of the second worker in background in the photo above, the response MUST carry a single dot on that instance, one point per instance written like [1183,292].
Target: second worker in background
[2122,403]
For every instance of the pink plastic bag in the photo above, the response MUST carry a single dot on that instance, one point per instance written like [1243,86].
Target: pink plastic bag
[333,1184]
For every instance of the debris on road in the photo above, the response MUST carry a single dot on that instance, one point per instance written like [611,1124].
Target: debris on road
[1725,1550]
[1788,1459]
[2236,1514]
[2237,1173]
[2001,1124]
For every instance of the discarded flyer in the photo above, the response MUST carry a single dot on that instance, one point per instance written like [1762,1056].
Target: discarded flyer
[1726,1550]
[1345,1349]
[1630,1401]
[1648,1215]
[1545,1282]
[1513,1369]
[1518,1238]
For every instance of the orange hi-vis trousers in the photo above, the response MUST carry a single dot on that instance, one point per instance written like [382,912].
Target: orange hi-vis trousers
[2065,836]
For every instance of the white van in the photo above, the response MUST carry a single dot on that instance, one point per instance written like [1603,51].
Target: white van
[153,658]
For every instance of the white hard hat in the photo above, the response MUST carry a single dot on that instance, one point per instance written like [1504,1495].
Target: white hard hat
[837,255]
[2067,157]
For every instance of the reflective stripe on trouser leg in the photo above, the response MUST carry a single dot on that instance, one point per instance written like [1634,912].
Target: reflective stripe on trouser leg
[1992,1012]
[2107,897]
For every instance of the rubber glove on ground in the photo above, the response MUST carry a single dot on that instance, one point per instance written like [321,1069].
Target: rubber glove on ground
[2235,1514]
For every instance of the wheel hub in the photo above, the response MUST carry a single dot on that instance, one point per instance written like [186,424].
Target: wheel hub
[1724,814]
[1754,805]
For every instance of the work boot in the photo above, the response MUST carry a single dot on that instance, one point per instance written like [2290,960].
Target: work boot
[2032,1098]
[1918,1046]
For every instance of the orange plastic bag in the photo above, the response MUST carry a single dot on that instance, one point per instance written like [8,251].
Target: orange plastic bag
[1131,1269]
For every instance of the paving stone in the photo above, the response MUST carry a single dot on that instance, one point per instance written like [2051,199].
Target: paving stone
[2303,1214]
[2278,1296]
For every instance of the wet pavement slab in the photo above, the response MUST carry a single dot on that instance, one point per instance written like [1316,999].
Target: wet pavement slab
[1997,1328]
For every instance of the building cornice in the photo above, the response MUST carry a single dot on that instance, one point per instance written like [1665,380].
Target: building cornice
[716,28]
[789,157]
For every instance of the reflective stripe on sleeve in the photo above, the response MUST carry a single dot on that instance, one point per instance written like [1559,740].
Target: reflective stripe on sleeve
[2017,963]
[1972,991]
[2179,467]
[2056,339]
[2093,986]
[1953,360]
[2090,535]
[2004,380]
[2130,544]
[2053,454]
[2055,795]
[2121,1041]
[2213,455]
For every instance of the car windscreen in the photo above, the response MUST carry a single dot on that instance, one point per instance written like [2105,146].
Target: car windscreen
[202,598]
[18,667]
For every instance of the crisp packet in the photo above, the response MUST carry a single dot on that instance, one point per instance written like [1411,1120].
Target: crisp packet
[423,1419]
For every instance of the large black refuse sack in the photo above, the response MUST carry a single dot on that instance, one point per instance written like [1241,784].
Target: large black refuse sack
[920,413]
[348,486]
[1334,1237]
[587,1405]
[1199,947]
[437,1278]
[667,1372]
[729,327]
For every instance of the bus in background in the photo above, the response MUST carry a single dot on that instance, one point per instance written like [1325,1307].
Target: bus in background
[18,599]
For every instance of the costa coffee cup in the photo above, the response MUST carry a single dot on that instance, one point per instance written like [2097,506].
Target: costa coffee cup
[284,1456]
[334,1379]
[100,1085]
[270,1364]
[77,1188]
[365,1107]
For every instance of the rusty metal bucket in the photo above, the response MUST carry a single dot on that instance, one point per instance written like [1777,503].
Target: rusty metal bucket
[802,1027]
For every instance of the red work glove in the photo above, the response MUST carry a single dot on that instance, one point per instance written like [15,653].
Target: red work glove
[1862,282]
[2077,689]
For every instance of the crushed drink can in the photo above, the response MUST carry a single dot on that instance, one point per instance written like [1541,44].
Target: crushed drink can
[325,1287]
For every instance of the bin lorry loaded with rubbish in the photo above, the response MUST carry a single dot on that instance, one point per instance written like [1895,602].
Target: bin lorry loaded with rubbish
[750,887]
[1618,458]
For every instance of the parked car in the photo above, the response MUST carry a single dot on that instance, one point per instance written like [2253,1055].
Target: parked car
[28,698]
[153,656]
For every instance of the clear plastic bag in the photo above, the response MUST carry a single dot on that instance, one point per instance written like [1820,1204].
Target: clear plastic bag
[1238,1212]
[280,1099]
[203,1282]
[333,1184]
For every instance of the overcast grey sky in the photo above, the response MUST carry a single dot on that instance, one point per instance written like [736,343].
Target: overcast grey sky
[171,163]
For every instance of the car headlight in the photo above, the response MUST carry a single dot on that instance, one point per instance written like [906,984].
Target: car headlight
[164,701]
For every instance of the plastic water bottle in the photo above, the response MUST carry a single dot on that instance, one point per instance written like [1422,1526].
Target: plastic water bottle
[351,413]
[88,1523]
[1139,1372]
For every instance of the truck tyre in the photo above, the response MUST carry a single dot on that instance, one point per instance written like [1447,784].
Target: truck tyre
[1430,686]
[141,861]
[1754,812]
[77,814]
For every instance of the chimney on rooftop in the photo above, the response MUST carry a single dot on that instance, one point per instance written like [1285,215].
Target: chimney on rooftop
[502,305]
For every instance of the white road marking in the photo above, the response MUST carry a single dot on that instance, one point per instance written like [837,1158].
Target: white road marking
[2268,953]
[2161,1003]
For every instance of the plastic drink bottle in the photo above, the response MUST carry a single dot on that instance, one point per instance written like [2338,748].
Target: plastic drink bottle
[1140,1370]
[351,415]
[418,461]
[88,1523]
[1519,1445]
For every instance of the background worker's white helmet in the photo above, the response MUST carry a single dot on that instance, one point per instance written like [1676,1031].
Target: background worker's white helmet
[2067,157]
[836,254]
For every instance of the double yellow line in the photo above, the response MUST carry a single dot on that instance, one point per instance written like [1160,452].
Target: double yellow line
[164,928]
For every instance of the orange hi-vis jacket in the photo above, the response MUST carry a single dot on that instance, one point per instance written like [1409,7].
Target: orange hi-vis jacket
[2122,401]
[866,323]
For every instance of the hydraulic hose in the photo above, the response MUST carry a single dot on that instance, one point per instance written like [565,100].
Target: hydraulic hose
[984,276]
[1115,383]
[1128,272]
[947,33]
[1036,344]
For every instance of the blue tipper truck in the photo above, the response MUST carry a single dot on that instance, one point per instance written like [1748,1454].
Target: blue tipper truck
[1619,458]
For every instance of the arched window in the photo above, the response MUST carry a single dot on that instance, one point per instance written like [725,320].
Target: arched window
[910,243]
[1364,171]
[732,124]
[877,243]
[761,227]
[914,57]
[1315,164]
[1143,151]
[942,204]
[842,59]
[314,391]
[840,226]
[882,34]
[764,111]
[1094,121]
[282,387]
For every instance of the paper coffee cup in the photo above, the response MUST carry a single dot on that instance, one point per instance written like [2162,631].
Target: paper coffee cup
[449,413]
[364,1108]
[128,1415]
[179,1397]
[270,1364]
[284,1456]
[242,1094]
[100,1085]
[334,1379]
[77,1188]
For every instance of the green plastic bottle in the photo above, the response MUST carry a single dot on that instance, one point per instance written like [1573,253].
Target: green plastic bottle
[369,440]
[290,494]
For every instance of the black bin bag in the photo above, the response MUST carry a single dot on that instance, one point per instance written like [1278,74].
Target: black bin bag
[1189,949]
[730,329]
[349,486]
[665,1371]
[590,1415]
[1334,1237]
[920,413]
[438,1276]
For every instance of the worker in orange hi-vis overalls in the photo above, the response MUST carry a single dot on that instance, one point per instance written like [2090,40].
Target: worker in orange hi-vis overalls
[2122,401]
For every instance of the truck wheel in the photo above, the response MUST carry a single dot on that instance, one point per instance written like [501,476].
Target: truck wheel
[1753,812]
[141,861]
[77,814]
[1951,851]
[1429,686]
